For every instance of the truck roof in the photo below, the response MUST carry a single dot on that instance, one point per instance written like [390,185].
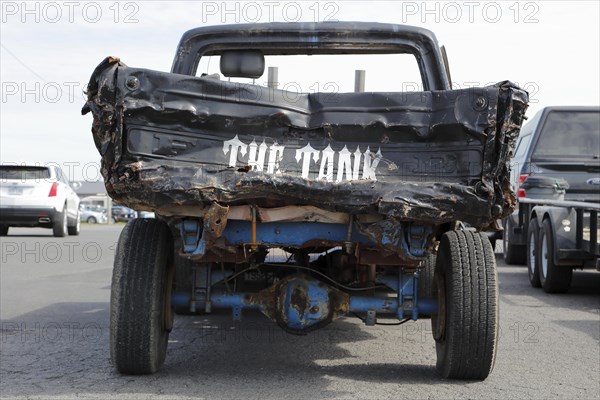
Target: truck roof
[316,38]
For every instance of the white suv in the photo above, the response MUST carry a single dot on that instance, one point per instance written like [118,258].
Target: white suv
[37,196]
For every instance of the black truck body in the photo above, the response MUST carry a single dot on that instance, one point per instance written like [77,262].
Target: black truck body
[557,158]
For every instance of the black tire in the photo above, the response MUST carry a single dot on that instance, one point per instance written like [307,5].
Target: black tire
[533,261]
[426,276]
[183,283]
[74,230]
[514,254]
[466,326]
[140,308]
[4,230]
[553,278]
[91,220]
[59,225]
[427,272]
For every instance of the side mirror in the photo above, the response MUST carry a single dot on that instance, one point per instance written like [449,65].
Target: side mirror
[76,185]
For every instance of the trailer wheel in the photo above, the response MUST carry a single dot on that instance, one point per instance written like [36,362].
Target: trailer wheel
[140,306]
[553,278]
[533,248]
[513,253]
[466,326]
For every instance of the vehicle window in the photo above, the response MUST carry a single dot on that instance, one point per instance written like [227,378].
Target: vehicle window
[522,146]
[60,176]
[332,73]
[23,173]
[570,133]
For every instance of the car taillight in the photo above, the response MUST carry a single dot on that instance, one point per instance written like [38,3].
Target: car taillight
[521,192]
[53,190]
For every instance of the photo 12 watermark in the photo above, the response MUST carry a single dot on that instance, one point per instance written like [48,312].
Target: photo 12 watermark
[42,92]
[74,171]
[453,12]
[55,12]
[229,12]
[53,252]
[37,332]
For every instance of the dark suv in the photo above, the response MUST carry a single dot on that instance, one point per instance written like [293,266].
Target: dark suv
[557,151]
[122,214]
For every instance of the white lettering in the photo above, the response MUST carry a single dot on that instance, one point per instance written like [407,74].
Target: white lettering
[257,163]
[327,162]
[370,164]
[356,169]
[344,165]
[275,157]
[305,155]
[348,163]
[234,145]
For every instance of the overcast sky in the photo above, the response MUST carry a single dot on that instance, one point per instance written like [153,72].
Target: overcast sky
[49,49]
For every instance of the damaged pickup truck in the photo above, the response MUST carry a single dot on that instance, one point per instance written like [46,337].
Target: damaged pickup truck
[303,206]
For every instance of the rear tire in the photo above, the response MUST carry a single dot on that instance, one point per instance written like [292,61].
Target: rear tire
[466,326]
[553,278]
[59,225]
[140,308]
[74,230]
[533,260]
[4,230]
[426,273]
[514,254]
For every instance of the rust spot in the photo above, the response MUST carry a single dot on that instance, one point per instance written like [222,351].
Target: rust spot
[215,221]
[299,300]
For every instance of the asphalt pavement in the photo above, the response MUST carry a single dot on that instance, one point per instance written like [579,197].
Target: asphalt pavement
[54,305]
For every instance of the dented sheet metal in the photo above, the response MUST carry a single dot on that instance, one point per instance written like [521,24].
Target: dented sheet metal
[176,142]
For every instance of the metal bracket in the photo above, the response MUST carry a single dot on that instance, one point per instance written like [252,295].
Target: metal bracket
[417,239]
[190,234]
[237,313]
[371,318]
[408,286]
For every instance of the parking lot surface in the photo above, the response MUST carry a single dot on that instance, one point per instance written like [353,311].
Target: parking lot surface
[54,307]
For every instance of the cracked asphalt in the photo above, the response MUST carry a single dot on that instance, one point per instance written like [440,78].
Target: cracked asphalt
[54,301]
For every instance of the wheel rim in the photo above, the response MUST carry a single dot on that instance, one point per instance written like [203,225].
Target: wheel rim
[544,255]
[91,220]
[78,223]
[531,253]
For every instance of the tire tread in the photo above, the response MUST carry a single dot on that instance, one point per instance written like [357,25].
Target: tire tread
[469,347]
[138,340]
